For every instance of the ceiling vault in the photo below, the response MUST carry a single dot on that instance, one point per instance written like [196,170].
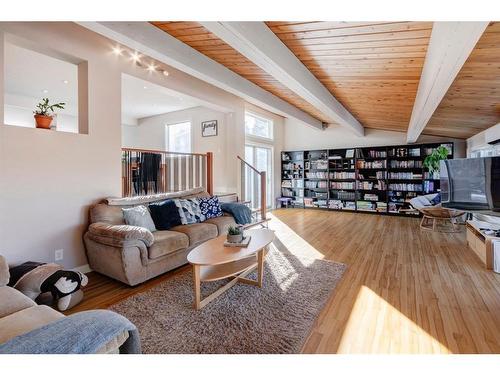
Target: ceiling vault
[261,46]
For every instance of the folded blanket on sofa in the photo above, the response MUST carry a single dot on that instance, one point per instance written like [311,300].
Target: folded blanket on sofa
[80,333]
[241,213]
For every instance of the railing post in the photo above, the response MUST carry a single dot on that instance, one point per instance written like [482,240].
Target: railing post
[210,173]
[263,195]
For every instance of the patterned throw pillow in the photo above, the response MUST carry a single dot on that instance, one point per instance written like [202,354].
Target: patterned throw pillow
[189,210]
[210,207]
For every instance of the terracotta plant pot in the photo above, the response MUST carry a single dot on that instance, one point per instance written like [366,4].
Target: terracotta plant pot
[43,122]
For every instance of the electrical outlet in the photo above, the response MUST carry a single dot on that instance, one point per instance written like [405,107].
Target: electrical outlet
[59,254]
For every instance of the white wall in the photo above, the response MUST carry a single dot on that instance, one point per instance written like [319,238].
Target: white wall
[480,140]
[299,136]
[49,179]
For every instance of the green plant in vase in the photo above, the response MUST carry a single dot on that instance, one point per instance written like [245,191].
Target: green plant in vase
[44,112]
[432,161]
[234,234]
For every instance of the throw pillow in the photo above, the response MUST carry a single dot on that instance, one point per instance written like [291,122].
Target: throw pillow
[436,200]
[139,216]
[189,210]
[165,214]
[210,207]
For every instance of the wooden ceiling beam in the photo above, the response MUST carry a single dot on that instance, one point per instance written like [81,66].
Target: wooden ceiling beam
[152,41]
[450,45]
[259,44]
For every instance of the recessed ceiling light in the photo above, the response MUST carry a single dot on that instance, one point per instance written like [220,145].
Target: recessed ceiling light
[145,87]
[165,73]
[45,91]
[65,81]
[151,67]
[117,50]
[135,56]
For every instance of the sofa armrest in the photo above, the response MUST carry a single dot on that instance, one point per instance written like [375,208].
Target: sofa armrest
[118,234]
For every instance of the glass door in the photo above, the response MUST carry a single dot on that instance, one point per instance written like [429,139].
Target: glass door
[261,158]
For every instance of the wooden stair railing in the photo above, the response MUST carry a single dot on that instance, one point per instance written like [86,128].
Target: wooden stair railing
[153,171]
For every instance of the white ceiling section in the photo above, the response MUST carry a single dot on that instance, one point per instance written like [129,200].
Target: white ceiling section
[31,76]
[450,45]
[151,41]
[259,44]
[141,99]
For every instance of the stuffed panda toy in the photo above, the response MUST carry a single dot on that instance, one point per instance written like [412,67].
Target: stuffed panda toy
[33,279]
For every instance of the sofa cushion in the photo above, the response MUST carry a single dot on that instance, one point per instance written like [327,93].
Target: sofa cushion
[210,207]
[4,272]
[197,233]
[12,301]
[189,210]
[102,213]
[167,242]
[26,320]
[139,216]
[222,222]
[165,214]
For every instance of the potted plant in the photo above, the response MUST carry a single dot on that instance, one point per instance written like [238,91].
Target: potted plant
[432,161]
[234,234]
[44,113]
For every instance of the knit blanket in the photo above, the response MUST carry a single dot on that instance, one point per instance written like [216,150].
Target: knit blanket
[241,213]
[80,333]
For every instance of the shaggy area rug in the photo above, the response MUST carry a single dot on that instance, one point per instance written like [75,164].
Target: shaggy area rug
[245,319]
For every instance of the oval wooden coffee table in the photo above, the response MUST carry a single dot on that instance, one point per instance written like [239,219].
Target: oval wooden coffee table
[213,261]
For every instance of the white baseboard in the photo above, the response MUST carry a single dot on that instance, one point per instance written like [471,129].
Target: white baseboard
[83,269]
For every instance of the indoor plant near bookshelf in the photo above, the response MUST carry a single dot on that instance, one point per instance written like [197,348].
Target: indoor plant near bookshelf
[432,161]
[44,113]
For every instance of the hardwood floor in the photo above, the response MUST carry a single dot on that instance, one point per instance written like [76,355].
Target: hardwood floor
[405,290]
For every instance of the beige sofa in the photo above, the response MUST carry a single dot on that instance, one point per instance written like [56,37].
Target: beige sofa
[133,254]
[19,314]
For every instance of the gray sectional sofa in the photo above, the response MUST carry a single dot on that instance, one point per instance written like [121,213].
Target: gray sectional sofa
[133,254]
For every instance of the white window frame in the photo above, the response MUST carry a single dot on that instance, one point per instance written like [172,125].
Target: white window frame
[270,177]
[256,137]
[167,134]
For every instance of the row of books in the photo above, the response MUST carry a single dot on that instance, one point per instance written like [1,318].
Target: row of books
[317,174]
[370,197]
[406,187]
[342,175]
[343,195]
[291,166]
[293,174]
[402,152]
[360,154]
[342,185]
[342,164]
[317,164]
[432,175]
[371,164]
[406,163]
[317,184]
[372,206]
[405,175]
[369,185]
[292,183]
[339,205]
[429,186]
[379,175]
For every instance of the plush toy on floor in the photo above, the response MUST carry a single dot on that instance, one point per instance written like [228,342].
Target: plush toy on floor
[33,279]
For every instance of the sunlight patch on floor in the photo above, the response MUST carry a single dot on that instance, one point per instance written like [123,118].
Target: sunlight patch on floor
[293,242]
[283,271]
[374,320]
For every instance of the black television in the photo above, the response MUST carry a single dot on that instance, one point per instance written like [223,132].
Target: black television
[471,185]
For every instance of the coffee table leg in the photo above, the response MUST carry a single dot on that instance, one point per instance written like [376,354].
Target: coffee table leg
[260,266]
[197,287]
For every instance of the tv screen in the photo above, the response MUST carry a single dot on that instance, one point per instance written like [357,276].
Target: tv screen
[471,184]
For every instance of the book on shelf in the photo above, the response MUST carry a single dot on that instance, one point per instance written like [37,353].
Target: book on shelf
[405,176]
[342,185]
[317,174]
[405,187]
[405,164]
[371,185]
[342,175]
[363,164]
[335,204]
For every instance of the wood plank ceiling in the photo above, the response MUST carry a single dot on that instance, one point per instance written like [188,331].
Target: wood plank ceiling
[202,40]
[472,103]
[372,68]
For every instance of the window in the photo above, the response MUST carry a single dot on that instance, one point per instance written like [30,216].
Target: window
[261,158]
[178,137]
[257,126]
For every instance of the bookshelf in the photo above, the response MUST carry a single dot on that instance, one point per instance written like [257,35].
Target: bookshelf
[366,179]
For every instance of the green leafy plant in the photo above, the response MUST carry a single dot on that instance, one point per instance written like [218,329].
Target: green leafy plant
[234,231]
[432,161]
[44,108]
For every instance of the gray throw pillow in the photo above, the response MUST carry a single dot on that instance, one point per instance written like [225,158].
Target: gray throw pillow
[139,216]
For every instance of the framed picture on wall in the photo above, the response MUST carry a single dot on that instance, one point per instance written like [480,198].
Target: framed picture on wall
[209,128]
